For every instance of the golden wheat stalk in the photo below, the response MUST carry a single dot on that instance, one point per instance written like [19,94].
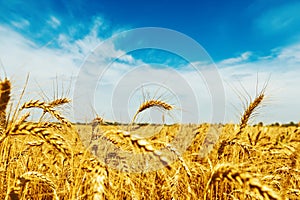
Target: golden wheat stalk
[54,140]
[179,156]
[152,103]
[98,183]
[231,173]
[47,108]
[12,126]
[32,176]
[51,125]
[59,102]
[174,182]
[5,89]
[135,142]
[248,112]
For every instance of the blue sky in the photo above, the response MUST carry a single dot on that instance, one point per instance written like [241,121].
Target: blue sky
[224,28]
[242,38]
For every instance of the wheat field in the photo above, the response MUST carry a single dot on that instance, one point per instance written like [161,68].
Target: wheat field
[49,159]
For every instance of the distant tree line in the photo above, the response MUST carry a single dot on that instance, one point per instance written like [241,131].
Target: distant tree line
[282,125]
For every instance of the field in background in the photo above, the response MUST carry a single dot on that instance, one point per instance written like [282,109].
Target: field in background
[262,163]
[47,160]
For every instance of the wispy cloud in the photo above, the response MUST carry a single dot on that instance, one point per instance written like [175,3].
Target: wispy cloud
[54,22]
[20,24]
[281,19]
[231,61]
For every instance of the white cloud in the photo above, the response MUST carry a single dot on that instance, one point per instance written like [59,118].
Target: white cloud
[231,61]
[283,88]
[20,57]
[22,23]
[290,54]
[279,19]
[54,22]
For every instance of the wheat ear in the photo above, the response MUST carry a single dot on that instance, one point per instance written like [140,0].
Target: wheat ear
[231,173]
[250,109]
[152,103]
[98,182]
[48,136]
[32,176]
[5,88]
[59,102]
[136,142]
[12,126]
[47,108]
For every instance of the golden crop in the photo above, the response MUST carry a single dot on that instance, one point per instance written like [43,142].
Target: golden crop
[61,160]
